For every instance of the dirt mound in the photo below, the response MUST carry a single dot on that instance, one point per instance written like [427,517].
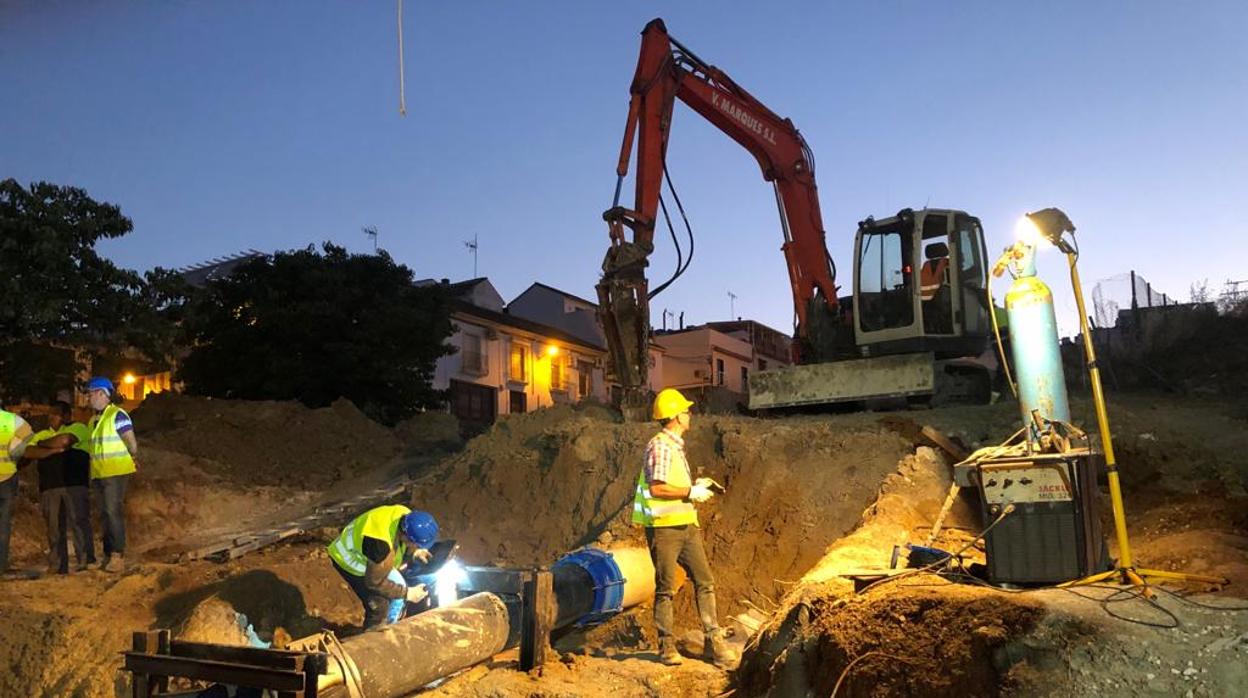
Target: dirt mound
[537,485]
[955,654]
[427,431]
[266,442]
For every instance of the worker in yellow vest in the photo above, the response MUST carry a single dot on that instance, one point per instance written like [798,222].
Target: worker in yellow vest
[664,504]
[112,447]
[64,465]
[373,547]
[15,433]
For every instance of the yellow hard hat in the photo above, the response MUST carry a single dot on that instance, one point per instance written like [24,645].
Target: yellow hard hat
[669,403]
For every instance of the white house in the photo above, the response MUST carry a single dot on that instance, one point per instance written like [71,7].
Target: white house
[507,364]
[720,354]
[578,317]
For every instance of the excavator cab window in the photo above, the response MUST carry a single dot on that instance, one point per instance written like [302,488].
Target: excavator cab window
[971,274]
[885,278]
[935,287]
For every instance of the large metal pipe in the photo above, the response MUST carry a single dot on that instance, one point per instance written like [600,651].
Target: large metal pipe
[579,597]
[400,658]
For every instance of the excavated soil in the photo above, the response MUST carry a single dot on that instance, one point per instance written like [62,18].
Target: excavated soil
[808,499]
[268,443]
[541,484]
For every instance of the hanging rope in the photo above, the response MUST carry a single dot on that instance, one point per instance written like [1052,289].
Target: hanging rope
[402,86]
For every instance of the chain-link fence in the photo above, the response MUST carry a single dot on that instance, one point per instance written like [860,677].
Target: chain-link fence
[1125,291]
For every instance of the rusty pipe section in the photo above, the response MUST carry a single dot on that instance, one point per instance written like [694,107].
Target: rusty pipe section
[400,658]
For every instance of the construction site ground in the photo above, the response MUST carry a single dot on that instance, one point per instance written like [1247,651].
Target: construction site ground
[808,498]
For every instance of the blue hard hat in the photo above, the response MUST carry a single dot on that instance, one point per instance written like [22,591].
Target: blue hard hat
[101,383]
[421,528]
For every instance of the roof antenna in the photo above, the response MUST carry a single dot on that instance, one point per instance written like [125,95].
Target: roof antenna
[472,247]
[371,232]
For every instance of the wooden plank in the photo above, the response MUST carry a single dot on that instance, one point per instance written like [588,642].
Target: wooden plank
[141,684]
[164,638]
[219,672]
[944,511]
[536,617]
[947,445]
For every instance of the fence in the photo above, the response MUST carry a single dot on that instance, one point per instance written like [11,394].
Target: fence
[1122,292]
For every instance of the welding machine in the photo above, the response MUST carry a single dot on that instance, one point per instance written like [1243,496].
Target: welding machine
[1054,532]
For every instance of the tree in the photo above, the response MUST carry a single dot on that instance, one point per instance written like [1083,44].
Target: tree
[60,293]
[316,326]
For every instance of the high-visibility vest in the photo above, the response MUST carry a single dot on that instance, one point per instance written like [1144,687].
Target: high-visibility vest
[8,429]
[109,455]
[932,276]
[381,523]
[654,512]
[77,429]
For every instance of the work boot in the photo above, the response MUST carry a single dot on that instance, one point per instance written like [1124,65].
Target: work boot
[116,563]
[717,652]
[668,654]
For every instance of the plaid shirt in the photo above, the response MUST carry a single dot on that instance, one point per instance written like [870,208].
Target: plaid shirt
[659,456]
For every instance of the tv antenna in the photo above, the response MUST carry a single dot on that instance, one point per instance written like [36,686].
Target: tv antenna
[732,306]
[371,232]
[472,247]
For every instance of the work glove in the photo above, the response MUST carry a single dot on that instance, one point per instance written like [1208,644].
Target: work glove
[699,493]
[421,555]
[417,593]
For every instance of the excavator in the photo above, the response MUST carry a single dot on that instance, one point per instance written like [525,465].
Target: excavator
[917,317]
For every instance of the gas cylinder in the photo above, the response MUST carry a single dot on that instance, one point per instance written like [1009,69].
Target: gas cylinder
[1034,347]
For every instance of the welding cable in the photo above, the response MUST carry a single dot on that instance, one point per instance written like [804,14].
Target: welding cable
[1212,607]
[996,331]
[1009,509]
[859,658]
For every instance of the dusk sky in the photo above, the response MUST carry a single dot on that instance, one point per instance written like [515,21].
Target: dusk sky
[223,126]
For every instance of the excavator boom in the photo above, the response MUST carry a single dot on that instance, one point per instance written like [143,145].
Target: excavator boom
[667,71]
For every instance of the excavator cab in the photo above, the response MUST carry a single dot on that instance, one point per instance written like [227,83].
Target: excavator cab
[919,284]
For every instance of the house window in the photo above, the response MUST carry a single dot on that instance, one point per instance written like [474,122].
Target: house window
[472,359]
[558,374]
[519,362]
[584,379]
[745,378]
[719,371]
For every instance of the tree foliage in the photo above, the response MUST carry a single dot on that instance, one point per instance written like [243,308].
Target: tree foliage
[60,293]
[316,326]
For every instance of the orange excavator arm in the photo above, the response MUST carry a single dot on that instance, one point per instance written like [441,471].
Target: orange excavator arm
[666,70]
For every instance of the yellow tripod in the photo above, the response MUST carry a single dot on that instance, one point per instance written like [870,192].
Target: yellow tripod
[1052,224]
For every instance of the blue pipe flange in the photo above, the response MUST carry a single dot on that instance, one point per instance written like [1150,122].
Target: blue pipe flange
[608,583]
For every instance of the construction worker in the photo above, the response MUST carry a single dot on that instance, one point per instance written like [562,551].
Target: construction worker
[375,544]
[15,433]
[663,503]
[112,447]
[64,474]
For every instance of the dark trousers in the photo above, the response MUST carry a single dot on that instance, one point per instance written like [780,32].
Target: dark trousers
[66,512]
[670,547]
[375,605]
[112,495]
[8,499]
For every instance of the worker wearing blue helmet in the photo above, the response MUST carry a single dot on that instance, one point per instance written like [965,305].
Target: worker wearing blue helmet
[377,543]
[113,449]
